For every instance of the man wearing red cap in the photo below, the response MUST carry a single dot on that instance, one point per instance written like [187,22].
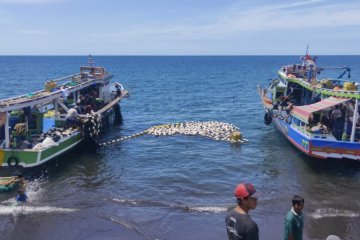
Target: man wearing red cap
[239,224]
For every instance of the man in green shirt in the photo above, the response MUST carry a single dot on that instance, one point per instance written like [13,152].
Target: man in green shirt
[294,221]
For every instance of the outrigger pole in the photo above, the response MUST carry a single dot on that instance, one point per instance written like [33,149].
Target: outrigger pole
[7,134]
[355,119]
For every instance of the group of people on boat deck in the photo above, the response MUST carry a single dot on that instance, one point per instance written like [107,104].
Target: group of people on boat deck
[337,120]
[301,71]
[88,102]
[340,120]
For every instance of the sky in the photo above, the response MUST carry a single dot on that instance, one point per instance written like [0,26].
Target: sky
[179,27]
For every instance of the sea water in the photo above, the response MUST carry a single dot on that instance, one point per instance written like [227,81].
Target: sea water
[178,187]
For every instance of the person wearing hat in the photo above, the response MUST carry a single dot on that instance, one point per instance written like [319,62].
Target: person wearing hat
[294,221]
[239,224]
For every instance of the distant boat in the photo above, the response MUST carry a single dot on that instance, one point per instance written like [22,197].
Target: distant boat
[88,96]
[320,117]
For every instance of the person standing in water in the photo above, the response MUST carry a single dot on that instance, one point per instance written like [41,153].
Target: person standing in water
[294,221]
[21,197]
[239,224]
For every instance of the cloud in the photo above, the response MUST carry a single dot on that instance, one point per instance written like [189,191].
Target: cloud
[295,5]
[29,2]
[306,15]
[292,16]
[32,32]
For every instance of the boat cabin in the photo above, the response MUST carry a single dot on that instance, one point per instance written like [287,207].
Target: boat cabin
[338,117]
[96,72]
[24,118]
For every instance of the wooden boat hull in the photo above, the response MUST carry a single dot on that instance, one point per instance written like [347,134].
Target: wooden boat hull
[301,110]
[318,146]
[31,158]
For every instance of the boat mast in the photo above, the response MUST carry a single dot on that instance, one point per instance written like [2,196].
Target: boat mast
[90,60]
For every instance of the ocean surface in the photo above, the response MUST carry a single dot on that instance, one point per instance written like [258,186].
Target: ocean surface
[178,187]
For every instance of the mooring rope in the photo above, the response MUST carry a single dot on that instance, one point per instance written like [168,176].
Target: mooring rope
[211,129]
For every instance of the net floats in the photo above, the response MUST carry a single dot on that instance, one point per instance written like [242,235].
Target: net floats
[219,131]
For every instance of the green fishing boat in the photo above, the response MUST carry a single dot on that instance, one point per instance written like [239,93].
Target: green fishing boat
[75,106]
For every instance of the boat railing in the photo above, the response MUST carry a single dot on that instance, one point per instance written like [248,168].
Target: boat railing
[321,87]
[63,78]
[36,93]
[50,93]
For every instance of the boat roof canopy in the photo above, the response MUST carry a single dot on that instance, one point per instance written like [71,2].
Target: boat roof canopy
[304,112]
[92,68]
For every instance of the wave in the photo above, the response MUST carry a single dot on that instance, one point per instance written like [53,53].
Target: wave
[187,208]
[24,210]
[331,212]
[207,209]
[123,223]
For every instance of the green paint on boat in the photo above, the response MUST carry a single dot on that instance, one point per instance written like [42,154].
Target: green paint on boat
[6,185]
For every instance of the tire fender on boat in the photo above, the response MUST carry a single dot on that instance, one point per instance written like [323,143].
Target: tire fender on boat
[13,161]
[267,118]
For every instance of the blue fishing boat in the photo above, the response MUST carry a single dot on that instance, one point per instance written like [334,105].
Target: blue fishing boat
[319,116]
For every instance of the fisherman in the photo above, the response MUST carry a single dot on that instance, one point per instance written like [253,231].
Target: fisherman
[22,181]
[118,90]
[239,224]
[337,121]
[294,221]
[21,197]
[72,118]
[20,178]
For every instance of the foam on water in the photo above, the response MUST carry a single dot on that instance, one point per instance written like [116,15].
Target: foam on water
[25,210]
[207,209]
[123,223]
[34,192]
[331,212]
[187,208]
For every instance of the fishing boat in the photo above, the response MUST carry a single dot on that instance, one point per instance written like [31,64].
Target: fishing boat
[39,126]
[319,116]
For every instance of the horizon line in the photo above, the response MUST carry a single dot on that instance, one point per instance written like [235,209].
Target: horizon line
[168,55]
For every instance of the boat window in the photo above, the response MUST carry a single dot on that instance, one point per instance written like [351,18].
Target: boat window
[296,121]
